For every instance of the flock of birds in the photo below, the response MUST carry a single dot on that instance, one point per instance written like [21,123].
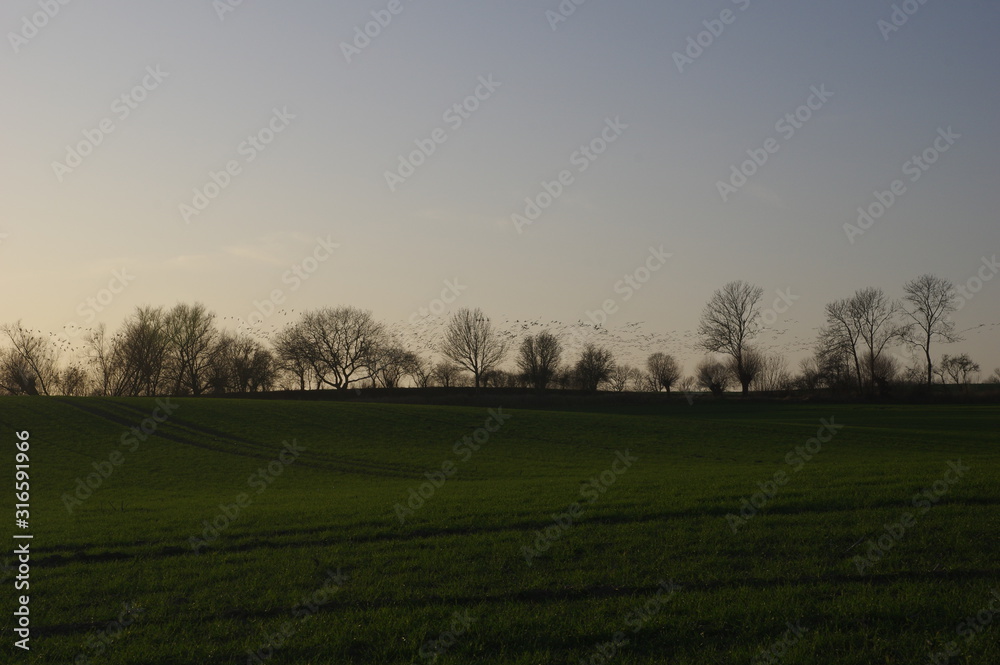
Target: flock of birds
[632,342]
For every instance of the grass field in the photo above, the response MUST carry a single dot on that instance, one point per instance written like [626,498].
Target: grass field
[565,537]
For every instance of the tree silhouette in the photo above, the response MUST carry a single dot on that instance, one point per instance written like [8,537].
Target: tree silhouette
[729,322]
[471,341]
[930,301]
[664,370]
[538,359]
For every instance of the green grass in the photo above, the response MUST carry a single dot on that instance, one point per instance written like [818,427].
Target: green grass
[663,520]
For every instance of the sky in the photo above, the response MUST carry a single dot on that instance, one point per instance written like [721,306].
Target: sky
[522,157]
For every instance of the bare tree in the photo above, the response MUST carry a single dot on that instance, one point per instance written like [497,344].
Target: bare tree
[647,383]
[840,336]
[192,336]
[392,363]
[103,358]
[140,349]
[16,375]
[664,370]
[774,374]
[994,377]
[594,367]
[447,374]
[74,381]
[730,321]
[132,361]
[292,352]
[16,378]
[882,372]
[749,370]
[423,372]
[241,364]
[338,345]
[623,375]
[220,373]
[958,368]
[912,375]
[498,378]
[810,374]
[565,378]
[837,361]
[929,304]
[867,321]
[713,376]
[30,366]
[471,341]
[879,326]
[254,367]
[538,359]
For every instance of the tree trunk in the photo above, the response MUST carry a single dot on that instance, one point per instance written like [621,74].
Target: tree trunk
[930,375]
[857,368]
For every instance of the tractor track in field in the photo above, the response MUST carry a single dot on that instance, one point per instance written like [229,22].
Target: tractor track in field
[251,449]
[564,594]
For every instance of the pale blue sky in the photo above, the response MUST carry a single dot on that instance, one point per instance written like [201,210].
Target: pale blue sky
[324,175]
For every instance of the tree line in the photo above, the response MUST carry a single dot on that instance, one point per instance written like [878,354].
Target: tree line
[183,351]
